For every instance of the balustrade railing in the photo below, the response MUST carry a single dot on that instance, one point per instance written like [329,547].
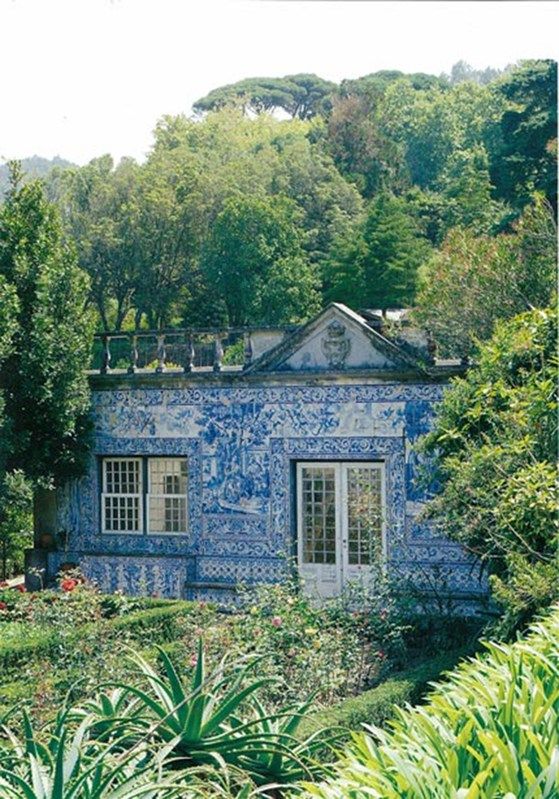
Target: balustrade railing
[186,350]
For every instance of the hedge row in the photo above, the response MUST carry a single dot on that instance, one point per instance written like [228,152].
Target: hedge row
[158,622]
[376,706]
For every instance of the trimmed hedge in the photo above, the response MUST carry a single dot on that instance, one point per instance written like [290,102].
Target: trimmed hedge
[158,622]
[376,706]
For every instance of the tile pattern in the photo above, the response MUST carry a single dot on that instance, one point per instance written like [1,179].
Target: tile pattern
[241,444]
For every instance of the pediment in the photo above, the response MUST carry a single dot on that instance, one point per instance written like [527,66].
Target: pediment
[337,340]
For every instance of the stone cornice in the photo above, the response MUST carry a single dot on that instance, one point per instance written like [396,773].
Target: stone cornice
[120,379]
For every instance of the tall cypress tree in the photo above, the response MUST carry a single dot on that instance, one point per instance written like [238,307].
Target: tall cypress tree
[45,391]
[394,251]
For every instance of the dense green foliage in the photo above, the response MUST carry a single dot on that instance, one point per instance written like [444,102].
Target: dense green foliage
[255,261]
[45,340]
[474,280]
[45,388]
[526,159]
[177,707]
[491,730]
[377,266]
[494,442]
[347,197]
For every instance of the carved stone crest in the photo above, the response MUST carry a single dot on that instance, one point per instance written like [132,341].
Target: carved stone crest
[336,345]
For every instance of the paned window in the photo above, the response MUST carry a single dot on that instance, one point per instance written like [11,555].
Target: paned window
[167,495]
[340,514]
[364,514]
[319,515]
[144,495]
[122,495]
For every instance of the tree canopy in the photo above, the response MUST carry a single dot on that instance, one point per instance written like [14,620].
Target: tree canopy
[46,340]
[302,96]
[475,280]
[399,184]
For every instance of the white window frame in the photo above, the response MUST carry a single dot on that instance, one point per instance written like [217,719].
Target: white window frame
[139,496]
[149,495]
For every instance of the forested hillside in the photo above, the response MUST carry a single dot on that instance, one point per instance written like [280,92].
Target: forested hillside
[34,167]
[280,195]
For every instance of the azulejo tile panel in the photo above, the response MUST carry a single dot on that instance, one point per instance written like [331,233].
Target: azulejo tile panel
[241,444]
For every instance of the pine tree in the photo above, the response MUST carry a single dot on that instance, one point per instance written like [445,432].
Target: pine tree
[395,249]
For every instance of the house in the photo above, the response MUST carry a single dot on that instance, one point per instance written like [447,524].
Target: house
[205,477]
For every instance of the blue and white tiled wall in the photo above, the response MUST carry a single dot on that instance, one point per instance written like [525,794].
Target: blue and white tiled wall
[240,443]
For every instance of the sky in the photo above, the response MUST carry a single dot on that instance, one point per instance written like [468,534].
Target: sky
[81,78]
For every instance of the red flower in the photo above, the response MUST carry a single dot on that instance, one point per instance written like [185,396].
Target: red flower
[3,606]
[276,621]
[68,584]
[21,588]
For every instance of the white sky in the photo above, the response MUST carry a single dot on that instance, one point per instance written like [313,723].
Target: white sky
[80,78]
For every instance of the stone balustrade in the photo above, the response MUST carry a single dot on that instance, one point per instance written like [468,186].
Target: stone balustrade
[185,350]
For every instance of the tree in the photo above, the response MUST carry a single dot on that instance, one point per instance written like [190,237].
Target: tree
[16,522]
[395,251]
[432,124]
[360,149]
[229,156]
[301,96]
[100,211]
[462,71]
[474,280]
[255,261]
[43,374]
[10,535]
[494,449]
[525,158]
[467,192]
[375,263]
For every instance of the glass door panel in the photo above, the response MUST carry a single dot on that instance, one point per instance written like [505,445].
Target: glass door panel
[363,514]
[318,527]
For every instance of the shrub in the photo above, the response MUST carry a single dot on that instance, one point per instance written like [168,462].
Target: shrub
[70,765]
[59,627]
[377,705]
[332,650]
[494,443]
[492,730]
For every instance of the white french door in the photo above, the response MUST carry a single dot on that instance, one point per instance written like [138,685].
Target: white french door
[340,523]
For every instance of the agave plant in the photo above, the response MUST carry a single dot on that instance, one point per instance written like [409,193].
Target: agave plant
[113,716]
[67,766]
[200,720]
[281,757]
